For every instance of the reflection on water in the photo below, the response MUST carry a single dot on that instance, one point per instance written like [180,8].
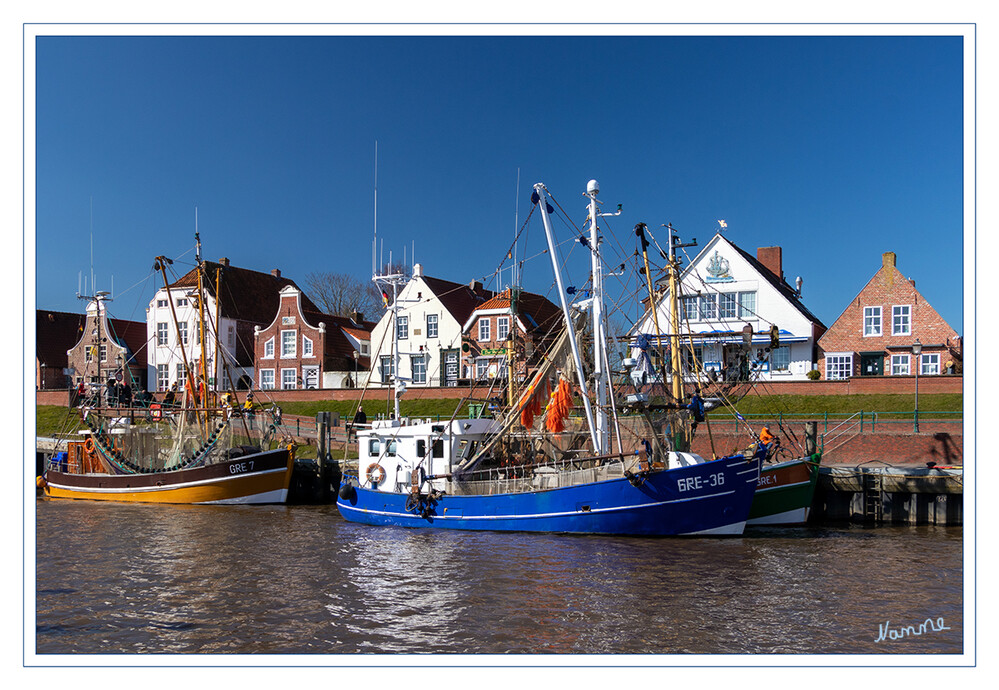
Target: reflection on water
[274,579]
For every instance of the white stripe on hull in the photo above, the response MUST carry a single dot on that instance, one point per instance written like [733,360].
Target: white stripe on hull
[164,487]
[788,517]
[276,496]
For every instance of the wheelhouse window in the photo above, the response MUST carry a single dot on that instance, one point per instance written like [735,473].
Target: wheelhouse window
[901,320]
[900,365]
[839,366]
[374,447]
[872,321]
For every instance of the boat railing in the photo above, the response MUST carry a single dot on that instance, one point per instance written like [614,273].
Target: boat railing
[554,474]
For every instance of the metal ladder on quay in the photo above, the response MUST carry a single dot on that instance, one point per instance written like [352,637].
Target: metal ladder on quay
[873,497]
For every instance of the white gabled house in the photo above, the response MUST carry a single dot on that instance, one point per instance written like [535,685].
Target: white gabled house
[722,291]
[431,315]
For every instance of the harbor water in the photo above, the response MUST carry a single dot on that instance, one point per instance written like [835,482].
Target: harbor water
[131,578]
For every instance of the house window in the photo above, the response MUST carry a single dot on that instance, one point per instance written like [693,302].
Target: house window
[310,377]
[481,368]
[402,327]
[287,344]
[780,359]
[484,328]
[269,349]
[502,327]
[364,348]
[162,333]
[181,372]
[104,353]
[694,360]
[900,365]
[727,306]
[839,367]
[306,347]
[387,368]
[182,332]
[419,364]
[689,308]
[162,377]
[232,340]
[872,321]
[88,353]
[161,303]
[431,325]
[747,305]
[267,379]
[929,364]
[182,302]
[901,320]
[289,379]
[709,307]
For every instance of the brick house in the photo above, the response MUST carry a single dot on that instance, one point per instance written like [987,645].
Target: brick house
[304,348]
[538,322]
[55,333]
[431,315]
[875,333]
[245,299]
[107,347]
[724,290]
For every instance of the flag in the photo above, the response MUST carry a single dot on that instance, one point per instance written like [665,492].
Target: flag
[385,298]
[723,224]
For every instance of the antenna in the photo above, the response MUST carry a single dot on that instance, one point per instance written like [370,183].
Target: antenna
[374,245]
[516,222]
[92,241]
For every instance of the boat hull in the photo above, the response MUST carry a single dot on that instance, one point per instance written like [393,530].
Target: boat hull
[711,498]
[250,479]
[785,492]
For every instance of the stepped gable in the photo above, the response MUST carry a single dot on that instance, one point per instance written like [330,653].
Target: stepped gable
[246,295]
[459,299]
[56,332]
[779,284]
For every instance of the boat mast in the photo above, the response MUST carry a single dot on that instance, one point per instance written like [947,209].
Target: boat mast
[539,191]
[674,314]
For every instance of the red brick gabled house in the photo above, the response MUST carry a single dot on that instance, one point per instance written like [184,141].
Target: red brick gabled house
[874,335]
[107,347]
[304,348]
[537,322]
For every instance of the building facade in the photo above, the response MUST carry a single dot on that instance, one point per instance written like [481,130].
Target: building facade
[108,348]
[431,316]
[725,293]
[875,334]
[55,333]
[303,348]
[233,303]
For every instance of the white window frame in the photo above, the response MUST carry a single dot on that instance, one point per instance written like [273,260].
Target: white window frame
[901,365]
[103,350]
[289,379]
[181,301]
[831,357]
[482,368]
[872,322]
[306,346]
[311,370]
[418,363]
[485,329]
[182,332]
[232,339]
[161,303]
[689,308]
[707,307]
[929,364]
[269,348]
[502,327]
[386,364]
[162,377]
[402,327]
[780,359]
[747,305]
[181,373]
[899,311]
[288,345]
[162,333]
[432,325]
[728,306]
[266,379]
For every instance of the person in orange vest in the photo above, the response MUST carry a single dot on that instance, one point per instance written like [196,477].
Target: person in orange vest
[769,440]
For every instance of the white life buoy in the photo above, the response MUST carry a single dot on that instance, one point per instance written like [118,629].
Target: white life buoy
[375,474]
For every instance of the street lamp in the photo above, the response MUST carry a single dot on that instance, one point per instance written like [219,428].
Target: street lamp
[917,347]
[357,384]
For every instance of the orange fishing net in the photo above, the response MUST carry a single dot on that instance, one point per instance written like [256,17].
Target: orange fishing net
[559,406]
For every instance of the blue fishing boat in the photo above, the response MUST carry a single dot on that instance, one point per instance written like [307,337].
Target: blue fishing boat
[598,472]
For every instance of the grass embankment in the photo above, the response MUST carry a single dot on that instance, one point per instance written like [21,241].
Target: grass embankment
[52,420]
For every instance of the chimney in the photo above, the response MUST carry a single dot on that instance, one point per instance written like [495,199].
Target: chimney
[475,286]
[771,258]
[224,261]
[888,259]
[276,272]
[357,317]
[417,270]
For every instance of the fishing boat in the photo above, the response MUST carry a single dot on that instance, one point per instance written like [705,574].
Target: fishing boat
[785,492]
[199,451]
[588,473]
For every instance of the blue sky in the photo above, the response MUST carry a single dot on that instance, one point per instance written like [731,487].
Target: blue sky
[837,149]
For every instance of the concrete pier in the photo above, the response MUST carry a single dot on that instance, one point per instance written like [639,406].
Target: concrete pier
[889,495]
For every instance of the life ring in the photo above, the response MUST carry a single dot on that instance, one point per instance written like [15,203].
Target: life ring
[375,474]
[89,445]
[155,412]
